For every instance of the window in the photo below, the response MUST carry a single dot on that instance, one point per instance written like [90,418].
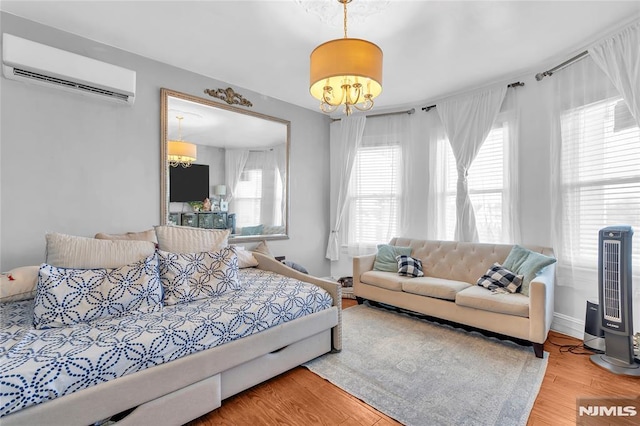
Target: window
[248,198]
[486,182]
[600,177]
[374,195]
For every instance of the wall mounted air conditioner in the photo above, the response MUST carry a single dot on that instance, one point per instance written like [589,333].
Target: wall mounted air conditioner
[28,61]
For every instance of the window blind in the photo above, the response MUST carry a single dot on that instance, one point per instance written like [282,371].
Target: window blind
[248,198]
[375,194]
[600,172]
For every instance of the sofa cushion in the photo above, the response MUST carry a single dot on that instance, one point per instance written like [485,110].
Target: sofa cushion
[386,257]
[388,280]
[525,262]
[503,303]
[434,287]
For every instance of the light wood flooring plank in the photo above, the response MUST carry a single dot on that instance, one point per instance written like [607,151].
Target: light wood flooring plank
[301,397]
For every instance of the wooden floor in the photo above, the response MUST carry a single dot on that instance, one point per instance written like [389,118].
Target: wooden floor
[299,397]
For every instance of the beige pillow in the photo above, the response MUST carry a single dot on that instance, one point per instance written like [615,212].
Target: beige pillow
[19,284]
[148,235]
[245,258]
[263,248]
[185,239]
[67,251]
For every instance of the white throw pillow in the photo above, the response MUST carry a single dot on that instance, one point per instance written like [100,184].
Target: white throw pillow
[18,284]
[67,296]
[192,276]
[185,239]
[68,251]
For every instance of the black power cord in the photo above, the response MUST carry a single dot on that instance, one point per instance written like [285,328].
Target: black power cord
[579,349]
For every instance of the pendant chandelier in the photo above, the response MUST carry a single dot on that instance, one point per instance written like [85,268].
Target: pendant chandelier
[346,71]
[181,153]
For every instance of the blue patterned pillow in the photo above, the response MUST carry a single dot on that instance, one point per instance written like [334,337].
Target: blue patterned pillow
[192,276]
[500,280]
[66,296]
[409,266]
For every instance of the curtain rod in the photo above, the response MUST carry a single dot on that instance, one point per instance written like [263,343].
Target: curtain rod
[409,111]
[566,63]
[516,84]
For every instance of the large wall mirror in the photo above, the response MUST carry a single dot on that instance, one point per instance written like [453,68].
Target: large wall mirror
[239,178]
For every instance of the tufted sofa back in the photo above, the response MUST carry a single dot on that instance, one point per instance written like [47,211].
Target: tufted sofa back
[457,260]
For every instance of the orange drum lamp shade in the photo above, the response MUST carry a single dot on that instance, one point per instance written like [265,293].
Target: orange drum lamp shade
[181,153]
[346,71]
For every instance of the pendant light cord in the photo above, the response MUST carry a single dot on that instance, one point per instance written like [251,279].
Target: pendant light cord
[344,5]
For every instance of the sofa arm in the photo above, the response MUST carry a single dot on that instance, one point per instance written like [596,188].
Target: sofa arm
[541,307]
[268,263]
[361,264]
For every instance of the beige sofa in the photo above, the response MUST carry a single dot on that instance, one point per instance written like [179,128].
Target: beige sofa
[449,291]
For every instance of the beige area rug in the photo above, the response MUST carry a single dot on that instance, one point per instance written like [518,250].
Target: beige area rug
[424,373]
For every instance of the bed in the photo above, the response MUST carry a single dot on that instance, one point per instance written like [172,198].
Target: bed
[167,366]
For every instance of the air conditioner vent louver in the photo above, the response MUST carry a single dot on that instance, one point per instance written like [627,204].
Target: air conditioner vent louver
[611,280]
[67,83]
[31,62]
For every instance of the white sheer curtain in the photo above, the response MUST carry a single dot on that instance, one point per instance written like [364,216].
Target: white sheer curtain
[467,121]
[619,58]
[234,162]
[343,148]
[376,190]
[493,183]
[595,173]
[280,152]
[415,207]
[434,136]
[511,213]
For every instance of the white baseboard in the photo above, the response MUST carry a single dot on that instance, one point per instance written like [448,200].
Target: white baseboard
[568,325]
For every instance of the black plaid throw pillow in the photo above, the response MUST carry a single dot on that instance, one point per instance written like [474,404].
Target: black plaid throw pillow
[500,280]
[408,266]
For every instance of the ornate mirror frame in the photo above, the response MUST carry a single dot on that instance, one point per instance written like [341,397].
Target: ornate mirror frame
[165,95]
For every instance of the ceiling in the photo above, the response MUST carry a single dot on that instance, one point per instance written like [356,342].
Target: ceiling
[431,48]
[221,127]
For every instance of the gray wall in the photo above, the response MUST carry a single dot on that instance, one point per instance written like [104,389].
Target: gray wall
[80,165]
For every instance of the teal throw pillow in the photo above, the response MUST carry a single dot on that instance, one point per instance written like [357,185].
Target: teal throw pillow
[386,257]
[522,261]
[252,230]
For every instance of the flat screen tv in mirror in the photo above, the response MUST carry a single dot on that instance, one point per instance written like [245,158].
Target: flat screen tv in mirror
[188,184]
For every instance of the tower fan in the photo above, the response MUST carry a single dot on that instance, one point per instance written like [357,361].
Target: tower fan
[615,290]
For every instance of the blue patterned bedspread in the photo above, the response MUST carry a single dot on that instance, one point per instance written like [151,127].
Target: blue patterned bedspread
[40,365]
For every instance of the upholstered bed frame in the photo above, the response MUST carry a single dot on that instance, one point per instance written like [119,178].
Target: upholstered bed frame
[184,389]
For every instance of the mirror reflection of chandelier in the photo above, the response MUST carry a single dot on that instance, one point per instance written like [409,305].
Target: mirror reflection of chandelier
[346,71]
[181,153]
